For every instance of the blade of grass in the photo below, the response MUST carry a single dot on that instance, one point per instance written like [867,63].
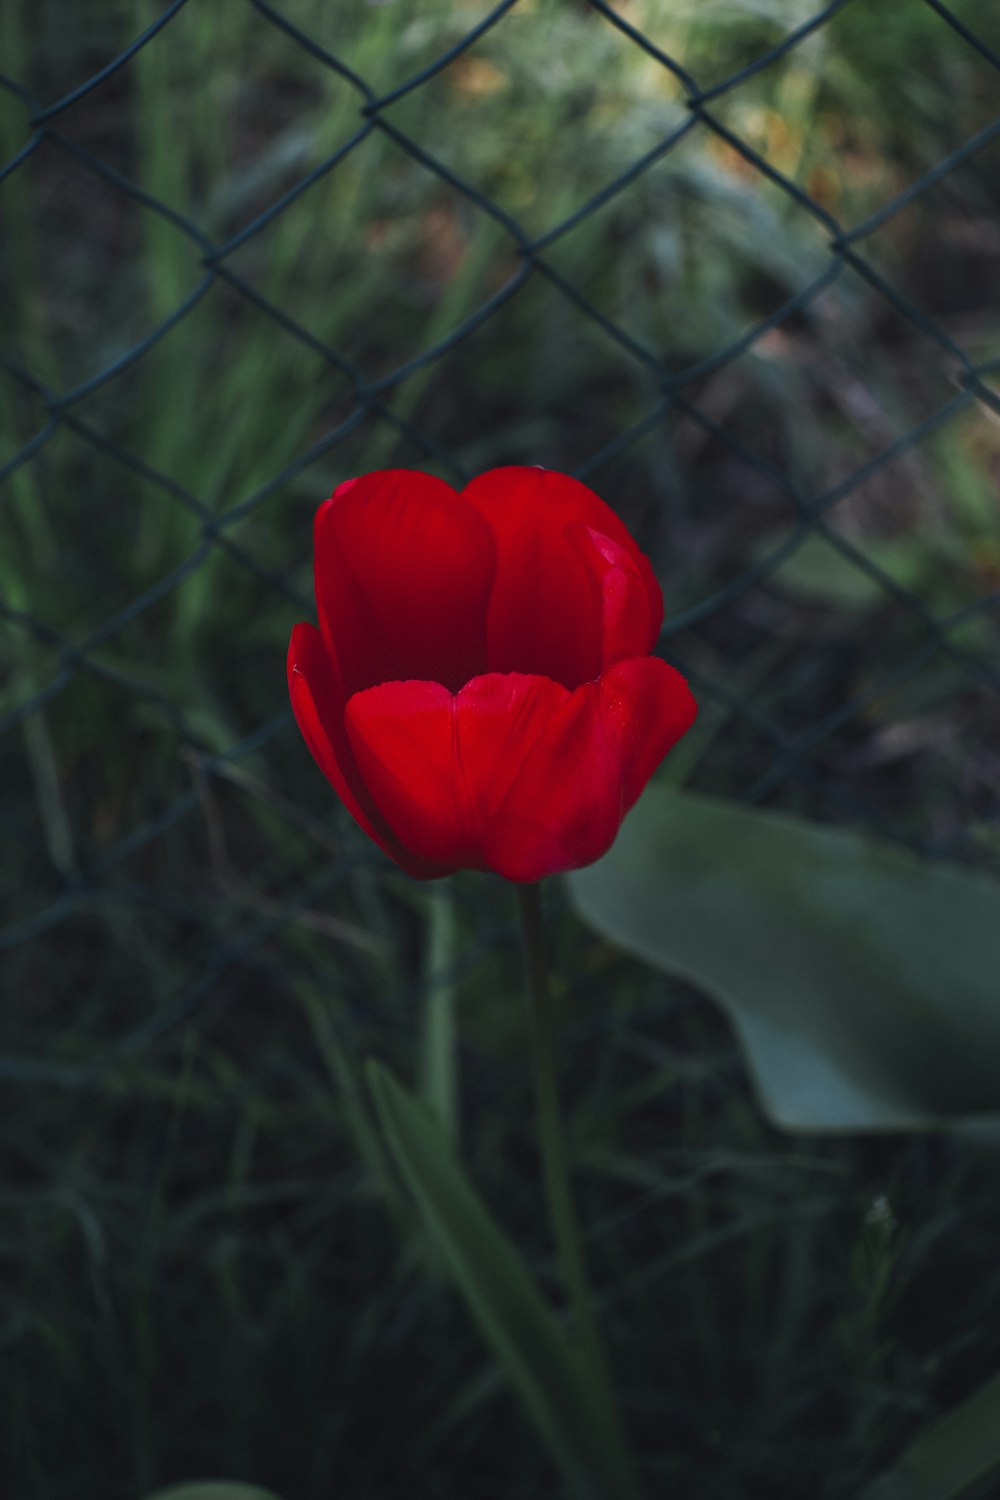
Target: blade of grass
[357,1118]
[527,1339]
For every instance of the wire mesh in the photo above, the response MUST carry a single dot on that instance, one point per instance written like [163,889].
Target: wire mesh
[824,750]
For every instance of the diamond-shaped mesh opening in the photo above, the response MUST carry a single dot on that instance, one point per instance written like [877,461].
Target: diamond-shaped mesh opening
[379,275]
[137,527]
[194,411]
[540,123]
[96,274]
[851,369]
[937,249]
[537,345]
[196,138]
[684,258]
[801,113]
[51,59]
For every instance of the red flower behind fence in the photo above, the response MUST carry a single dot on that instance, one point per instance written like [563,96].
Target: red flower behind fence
[480,692]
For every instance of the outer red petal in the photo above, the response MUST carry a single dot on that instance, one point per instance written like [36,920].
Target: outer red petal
[404,569]
[543,617]
[439,765]
[319,711]
[630,617]
[597,751]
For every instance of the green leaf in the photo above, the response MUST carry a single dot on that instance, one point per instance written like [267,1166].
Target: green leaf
[213,1489]
[863,982]
[955,1458]
[526,1337]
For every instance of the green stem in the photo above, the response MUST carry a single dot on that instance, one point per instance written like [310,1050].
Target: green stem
[552,1141]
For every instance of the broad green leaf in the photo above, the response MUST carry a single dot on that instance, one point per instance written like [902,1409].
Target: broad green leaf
[863,982]
[526,1337]
[213,1489]
[955,1458]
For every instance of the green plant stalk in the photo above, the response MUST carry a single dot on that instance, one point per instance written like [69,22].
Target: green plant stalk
[438,1070]
[555,1166]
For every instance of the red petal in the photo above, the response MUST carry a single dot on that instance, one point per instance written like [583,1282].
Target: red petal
[646,706]
[543,617]
[319,712]
[629,623]
[597,751]
[404,569]
[439,765]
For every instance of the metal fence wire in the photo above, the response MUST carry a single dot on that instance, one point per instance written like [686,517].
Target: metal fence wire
[133,600]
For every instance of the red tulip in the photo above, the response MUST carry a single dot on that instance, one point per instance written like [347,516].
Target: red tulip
[480,693]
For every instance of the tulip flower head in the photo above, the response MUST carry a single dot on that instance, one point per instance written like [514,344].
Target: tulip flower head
[480,693]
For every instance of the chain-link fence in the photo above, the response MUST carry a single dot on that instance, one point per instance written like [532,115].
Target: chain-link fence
[767,339]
